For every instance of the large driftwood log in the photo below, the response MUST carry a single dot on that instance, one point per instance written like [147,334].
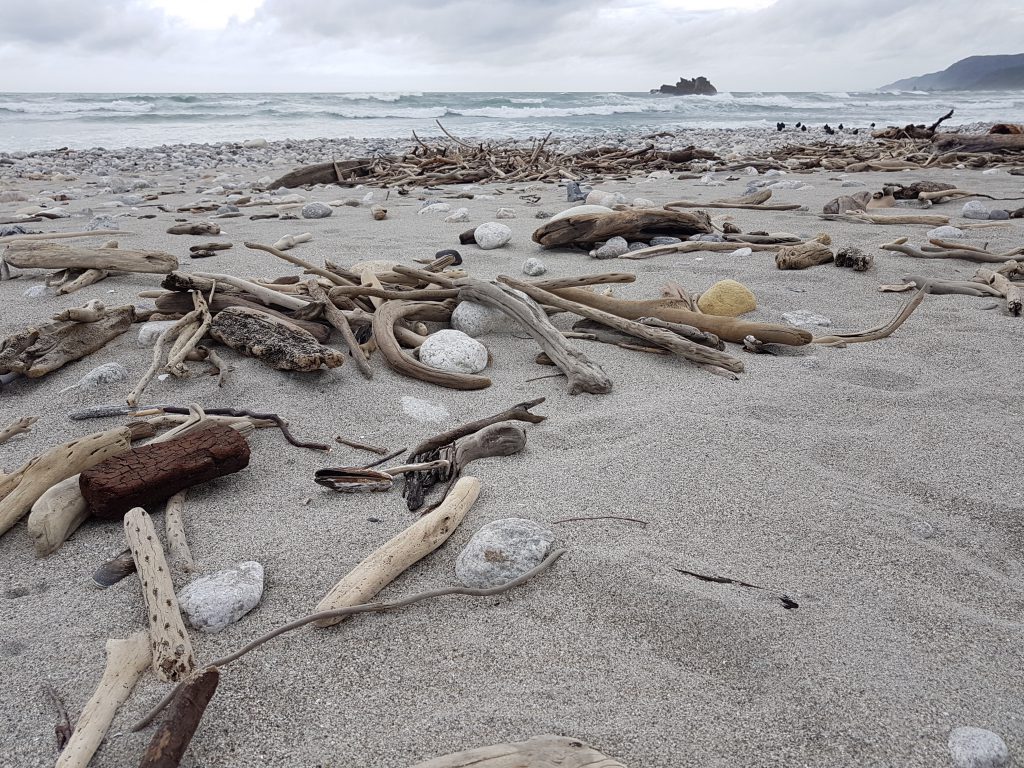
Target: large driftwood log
[146,476]
[985,142]
[177,302]
[169,642]
[537,752]
[126,661]
[674,311]
[35,351]
[23,487]
[802,256]
[278,343]
[43,255]
[411,545]
[335,172]
[585,229]
[172,738]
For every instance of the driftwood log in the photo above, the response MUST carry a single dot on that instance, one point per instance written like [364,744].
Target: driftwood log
[147,476]
[985,142]
[408,547]
[174,302]
[44,255]
[802,256]
[755,201]
[1003,286]
[56,515]
[278,343]
[37,351]
[169,642]
[126,661]
[537,752]
[585,229]
[172,738]
[174,528]
[196,228]
[335,172]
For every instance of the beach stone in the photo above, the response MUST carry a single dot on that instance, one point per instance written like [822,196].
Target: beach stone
[502,551]
[998,214]
[852,183]
[435,207]
[665,240]
[534,267]
[710,238]
[643,202]
[742,252]
[946,233]
[316,211]
[581,209]
[790,184]
[38,291]
[254,143]
[727,298]
[612,249]
[607,199]
[639,245]
[977,748]
[805,319]
[477,320]
[211,603]
[654,175]
[462,214]
[292,199]
[709,180]
[492,235]
[150,332]
[100,222]
[453,351]
[103,375]
[424,410]
[573,192]
[543,215]
[974,210]
[505,213]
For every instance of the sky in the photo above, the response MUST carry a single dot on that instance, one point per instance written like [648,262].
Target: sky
[490,45]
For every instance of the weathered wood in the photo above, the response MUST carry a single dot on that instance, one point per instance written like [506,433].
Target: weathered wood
[172,738]
[336,318]
[411,545]
[147,476]
[196,228]
[755,201]
[87,278]
[177,302]
[20,426]
[985,142]
[90,313]
[1006,289]
[56,515]
[44,255]
[37,351]
[333,172]
[126,661]
[585,229]
[802,256]
[174,528]
[966,253]
[537,752]
[260,292]
[169,643]
[278,343]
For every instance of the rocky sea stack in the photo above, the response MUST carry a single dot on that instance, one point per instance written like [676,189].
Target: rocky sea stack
[698,86]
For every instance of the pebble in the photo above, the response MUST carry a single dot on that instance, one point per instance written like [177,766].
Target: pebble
[643,202]
[502,551]
[316,211]
[790,184]
[543,215]
[709,180]
[998,214]
[806,319]
[424,410]
[638,246]
[477,320]
[977,748]
[654,175]
[433,207]
[974,210]
[852,183]
[101,376]
[460,215]
[254,143]
[946,233]
[534,267]
[100,222]
[7,230]
[150,332]
[574,193]
[612,249]
[607,199]
[505,213]
[492,235]
[712,238]
[742,252]
[211,603]
[453,351]
[665,240]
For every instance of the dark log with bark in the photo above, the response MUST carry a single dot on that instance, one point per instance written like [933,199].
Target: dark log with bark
[326,173]
[279,343]
[175,302]
[179,725]
[912,131]
[37,351]
[912,191]
[196,228]
[45,255]
[146,476]
[585,229]
[855,259]
[985,142]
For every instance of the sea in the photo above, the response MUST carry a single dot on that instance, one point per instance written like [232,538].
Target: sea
[35,121]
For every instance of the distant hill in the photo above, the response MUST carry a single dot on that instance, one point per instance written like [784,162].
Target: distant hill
[975,73]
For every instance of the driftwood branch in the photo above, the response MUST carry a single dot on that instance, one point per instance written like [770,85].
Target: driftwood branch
[20,426]
[42,255]
[537,752]
[172,738]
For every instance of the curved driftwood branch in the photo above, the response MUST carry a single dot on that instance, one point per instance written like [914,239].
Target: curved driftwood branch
[312,268]
[881,331]
[968,254]
[537,752]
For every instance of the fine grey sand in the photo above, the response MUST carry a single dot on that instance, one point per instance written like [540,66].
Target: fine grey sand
[878,486]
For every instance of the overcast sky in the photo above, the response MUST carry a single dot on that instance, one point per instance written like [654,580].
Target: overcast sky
[490,45]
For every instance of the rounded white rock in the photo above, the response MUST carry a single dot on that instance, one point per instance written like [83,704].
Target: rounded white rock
[453,351]
[534,267]
[977,748]
[491,235]
[150,332]
[210,603]
[502,551]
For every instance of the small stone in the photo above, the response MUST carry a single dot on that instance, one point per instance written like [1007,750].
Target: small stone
[434,207]
[607,199]
[946,233]
[998,214]
[492,235]
[574,193]
[150,332]
[742,252]
[581,209]
[103,375]
[475,319]
[643,202]
[806,320]
[789,184]
[453,351]
[977,748]
[852,183]
[6,230]
[254,143]
[502,551]
[612,249]
[974,210]
[424,410]
[714,237]
[534,267]
[750,171]
[655,175]
[100,222]
[316,211]
[38,291]
[505,213]
[665,240]
[543,215]
[727,298]
[709,180]
[210,603]
[462,214]
[224,209]
[774,172]
[639,245]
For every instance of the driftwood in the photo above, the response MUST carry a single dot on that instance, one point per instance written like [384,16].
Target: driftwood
[147,476]
[174,302]
[276,342]
[37,351]
[359,479]
[585,229]
[56,515]
[941,287]
[169,643]
[858,201]
[802,256]
[912,131]
[172,738]
[86,278]
[755,201]
[878,332]
[174,528]
[20,426]
[537,752]
[695,246]
[260,292]
[197,228]
[90,313]
[339,321]
[335,172]
[955,252]
[855,259]
[325,273]
[408,547]
[1003,286]
[114,570]
[126,661]
[43,255]
[861,217]
[985,142]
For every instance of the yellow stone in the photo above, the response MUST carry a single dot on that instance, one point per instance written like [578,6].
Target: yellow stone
[728,299]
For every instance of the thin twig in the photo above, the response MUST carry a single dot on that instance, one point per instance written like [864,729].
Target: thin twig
[62,729]
[361,446]
[600,517]
[389,457]
[281,423]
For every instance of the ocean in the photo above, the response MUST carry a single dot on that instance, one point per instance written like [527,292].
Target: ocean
[31,121]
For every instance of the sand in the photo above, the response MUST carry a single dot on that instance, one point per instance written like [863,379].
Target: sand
[877,486]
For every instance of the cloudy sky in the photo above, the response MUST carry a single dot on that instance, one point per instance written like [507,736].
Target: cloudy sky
[490,45]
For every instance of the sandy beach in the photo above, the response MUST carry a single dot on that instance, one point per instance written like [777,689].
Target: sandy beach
[877,487]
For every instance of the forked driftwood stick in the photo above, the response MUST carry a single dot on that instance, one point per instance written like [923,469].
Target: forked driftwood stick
[168,336]
[126,661]
[20,426]
[337,318]
[171,649]
[172,738]
[312,268]
[87,278]
[538,752]
[410,546]
[341,613]
[260,292]
[969,254]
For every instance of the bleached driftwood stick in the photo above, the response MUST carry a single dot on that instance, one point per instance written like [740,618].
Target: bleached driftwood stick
[56,515]
[264,294]
[126,661]
[290,241]
[90,313]
[62,235]
[158,353]
[88,277]
[169,642]
[181,555]
[18,427]
[999,282]
[538,752]
[408,547]
[28,255]
[337,318]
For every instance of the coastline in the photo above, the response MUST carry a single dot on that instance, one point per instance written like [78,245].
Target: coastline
[876,485]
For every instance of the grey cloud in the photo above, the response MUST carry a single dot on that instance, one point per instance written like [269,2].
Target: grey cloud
[96,24]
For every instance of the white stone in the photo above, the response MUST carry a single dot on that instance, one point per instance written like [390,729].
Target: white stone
[659,175]
[424,410]
[459,216]
[150,332]
[210,603]
[612,249]
[374,265]
[475,319]
[741,252]
[974,210]
[435,208]
[254,143]
[946,233]
[505,213]
[492,235]
[806,319]
[292,199]
[38,291]
[607,199]
[534,267]
[643,202]
[977,748]
[103,375]
[453,351]
[316,211]
[502,551]
[576,210]
[709,180]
